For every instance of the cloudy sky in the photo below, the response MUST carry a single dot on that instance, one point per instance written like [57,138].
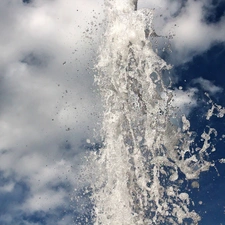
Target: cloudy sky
[49,105]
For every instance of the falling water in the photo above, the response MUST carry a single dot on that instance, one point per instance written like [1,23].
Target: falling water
[145,156]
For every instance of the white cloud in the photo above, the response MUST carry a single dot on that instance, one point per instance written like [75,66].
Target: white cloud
[47,107]
[186,21]
[208,85]
[7,187]
[184,101]
[45,200]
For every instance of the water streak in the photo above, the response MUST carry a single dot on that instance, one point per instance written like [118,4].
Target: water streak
[145,158]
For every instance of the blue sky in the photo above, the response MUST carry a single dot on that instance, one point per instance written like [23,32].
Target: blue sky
[209,66]
[49,105]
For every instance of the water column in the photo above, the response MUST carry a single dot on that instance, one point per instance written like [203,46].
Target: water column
[143,152]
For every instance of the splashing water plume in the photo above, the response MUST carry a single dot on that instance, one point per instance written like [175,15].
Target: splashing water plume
[144,157]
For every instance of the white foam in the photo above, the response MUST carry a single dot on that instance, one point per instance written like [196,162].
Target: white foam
[143,154]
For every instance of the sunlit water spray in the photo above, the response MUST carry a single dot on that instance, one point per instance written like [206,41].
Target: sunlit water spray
[145,158]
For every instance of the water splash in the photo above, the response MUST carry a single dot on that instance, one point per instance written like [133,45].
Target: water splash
[145,158]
